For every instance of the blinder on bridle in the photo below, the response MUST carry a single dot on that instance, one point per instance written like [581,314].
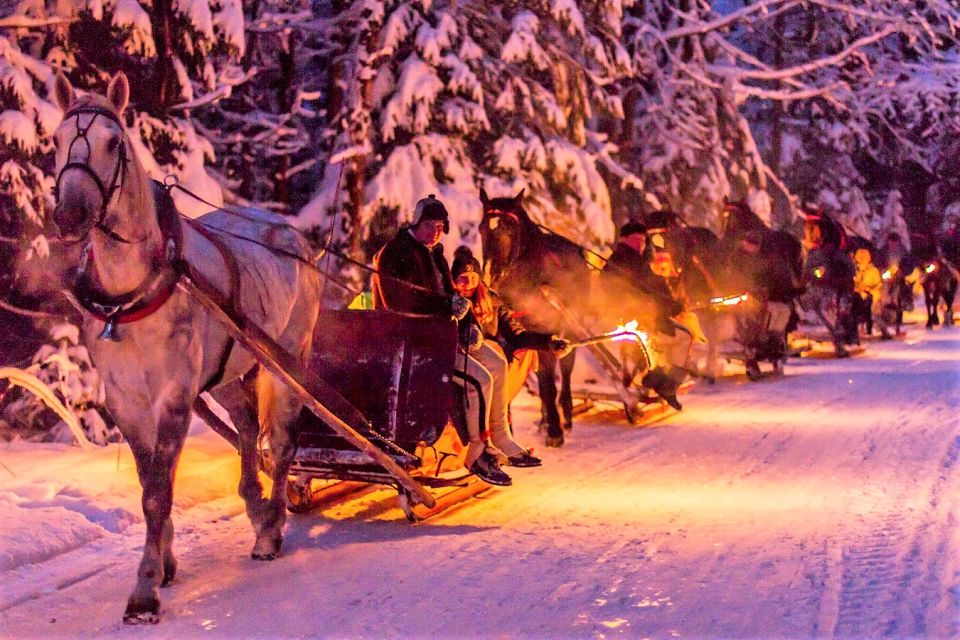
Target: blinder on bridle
[119,169]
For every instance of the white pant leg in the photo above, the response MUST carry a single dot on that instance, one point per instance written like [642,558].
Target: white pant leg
[477,424]
[491,356]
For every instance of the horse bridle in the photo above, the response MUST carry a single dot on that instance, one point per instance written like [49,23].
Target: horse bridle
[517,246]
[119,169]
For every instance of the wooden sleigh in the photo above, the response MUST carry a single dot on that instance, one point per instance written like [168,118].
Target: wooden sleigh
[380,402]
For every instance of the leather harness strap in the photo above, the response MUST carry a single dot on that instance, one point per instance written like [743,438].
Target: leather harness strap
[233,270]
[153,292]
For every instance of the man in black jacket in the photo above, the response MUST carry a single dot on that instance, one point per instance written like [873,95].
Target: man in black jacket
[412,276]
[647,298]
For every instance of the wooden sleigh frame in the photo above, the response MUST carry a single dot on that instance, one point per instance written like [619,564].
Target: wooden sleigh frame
[335,439]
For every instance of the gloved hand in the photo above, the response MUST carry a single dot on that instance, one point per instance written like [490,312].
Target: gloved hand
[560,346]
[475,340]
[460,307]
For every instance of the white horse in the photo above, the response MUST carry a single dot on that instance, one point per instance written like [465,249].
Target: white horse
[169,349]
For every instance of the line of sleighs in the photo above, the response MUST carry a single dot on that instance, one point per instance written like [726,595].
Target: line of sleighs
[680,282]
[380,386]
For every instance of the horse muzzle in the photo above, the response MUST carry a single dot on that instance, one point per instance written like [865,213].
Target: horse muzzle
[73,222]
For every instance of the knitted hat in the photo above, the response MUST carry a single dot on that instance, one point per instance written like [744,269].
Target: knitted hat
[430,208]
[463,260]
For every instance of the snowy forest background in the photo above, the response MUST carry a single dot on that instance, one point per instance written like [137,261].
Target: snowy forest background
[342,113]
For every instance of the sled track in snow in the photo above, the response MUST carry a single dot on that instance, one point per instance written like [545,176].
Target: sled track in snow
[885,581]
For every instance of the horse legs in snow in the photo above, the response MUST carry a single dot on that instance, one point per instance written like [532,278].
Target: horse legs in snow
[278,408]
[949,293]
[931,296]
[547,383]
[566,392]
[239,399]
[156,467]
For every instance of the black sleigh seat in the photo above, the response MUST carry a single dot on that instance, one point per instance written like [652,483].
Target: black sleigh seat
[398,371]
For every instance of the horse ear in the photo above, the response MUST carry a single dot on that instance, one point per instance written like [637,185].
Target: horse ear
[63,92]
[118,92]
[519,198]
[484,198]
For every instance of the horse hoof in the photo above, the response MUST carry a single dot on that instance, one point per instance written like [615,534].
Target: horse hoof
[555,441]
[142,612]
[568,426]
[266,549]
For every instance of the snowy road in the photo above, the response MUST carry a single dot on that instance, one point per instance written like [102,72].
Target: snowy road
[818,505]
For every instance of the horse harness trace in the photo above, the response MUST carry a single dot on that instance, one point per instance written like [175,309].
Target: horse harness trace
[167,268]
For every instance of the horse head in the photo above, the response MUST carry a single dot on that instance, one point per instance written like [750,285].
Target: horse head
[820,230]
[95,167]
[736,218]
[503,231]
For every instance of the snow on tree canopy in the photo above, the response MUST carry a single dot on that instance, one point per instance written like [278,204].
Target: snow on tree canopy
[454,90]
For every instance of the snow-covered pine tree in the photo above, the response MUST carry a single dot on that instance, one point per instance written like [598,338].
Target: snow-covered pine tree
[263,133]
[684,132]
[448,97]
[26,121]
[874,98]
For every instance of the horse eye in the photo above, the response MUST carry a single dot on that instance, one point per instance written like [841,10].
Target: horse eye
[112,143]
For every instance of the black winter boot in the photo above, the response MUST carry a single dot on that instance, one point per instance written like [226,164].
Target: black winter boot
[488,469]
[663,385]
[524,459]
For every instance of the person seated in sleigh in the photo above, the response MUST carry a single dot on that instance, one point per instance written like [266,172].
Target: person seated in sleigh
[637,273]
[504,340]
[412,276]
[763,321]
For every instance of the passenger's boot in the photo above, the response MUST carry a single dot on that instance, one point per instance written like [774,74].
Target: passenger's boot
[663,385]
[488,469]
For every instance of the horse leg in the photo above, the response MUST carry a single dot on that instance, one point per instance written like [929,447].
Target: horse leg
[239,399]
[547,383]
[931,296]
[949,293]
[278,408]
[156,468]
[566,392]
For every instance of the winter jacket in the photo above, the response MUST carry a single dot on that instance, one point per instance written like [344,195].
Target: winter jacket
[405,260]
[628,267]
[504,327]
[867,282]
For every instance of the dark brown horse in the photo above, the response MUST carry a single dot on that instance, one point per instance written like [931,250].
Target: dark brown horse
[939,261]
[520,258]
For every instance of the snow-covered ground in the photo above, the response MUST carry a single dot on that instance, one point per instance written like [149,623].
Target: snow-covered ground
[821,504]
